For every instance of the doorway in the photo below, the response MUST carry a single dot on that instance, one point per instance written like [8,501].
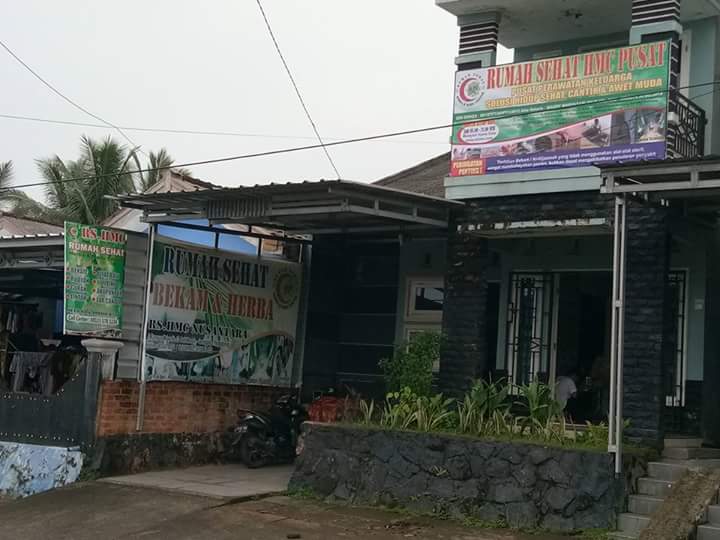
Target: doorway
[559,325]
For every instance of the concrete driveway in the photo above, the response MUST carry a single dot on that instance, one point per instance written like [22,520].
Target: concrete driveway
[224,482]
[100,510]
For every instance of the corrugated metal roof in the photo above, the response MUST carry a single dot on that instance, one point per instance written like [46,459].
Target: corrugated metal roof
[14,226]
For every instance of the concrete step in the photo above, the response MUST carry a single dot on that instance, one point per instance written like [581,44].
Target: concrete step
[643,504]
[653,487]
[713,514]
[691,453]
[666,470]
[708,532]
[632,524]
[683,442]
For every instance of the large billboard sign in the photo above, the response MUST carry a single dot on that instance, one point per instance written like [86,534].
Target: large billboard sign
[220,317]
[572,111]
[94,280]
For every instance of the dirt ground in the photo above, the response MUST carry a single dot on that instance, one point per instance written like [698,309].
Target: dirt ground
[96,510]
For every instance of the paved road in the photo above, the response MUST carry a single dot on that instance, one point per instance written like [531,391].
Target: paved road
[105,511]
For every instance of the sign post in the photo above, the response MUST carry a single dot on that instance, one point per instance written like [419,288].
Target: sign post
[94,280]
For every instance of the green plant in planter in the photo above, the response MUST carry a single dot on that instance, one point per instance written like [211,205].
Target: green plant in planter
[367,412]
[411,364]
[484,410]
[399,411]
[539,411]
[433,413]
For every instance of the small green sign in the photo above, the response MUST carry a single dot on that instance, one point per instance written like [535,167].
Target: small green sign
[94,280]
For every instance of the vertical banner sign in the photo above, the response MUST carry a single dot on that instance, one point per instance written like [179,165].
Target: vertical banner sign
[221,317]
[94,280]
[572,111]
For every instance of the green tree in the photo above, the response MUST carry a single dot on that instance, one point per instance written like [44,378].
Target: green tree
[77,190]
[159,162]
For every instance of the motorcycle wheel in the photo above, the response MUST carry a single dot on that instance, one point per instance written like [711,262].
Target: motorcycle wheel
[251,452]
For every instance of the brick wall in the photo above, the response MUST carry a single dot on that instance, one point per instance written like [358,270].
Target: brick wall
[177,407]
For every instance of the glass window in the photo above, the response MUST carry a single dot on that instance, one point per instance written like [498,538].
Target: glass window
[425,299]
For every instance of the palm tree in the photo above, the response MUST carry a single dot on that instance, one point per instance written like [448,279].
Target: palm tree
[20,203]
[77,190]
[158,162]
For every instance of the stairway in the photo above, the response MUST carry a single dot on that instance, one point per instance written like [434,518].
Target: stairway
[680,454]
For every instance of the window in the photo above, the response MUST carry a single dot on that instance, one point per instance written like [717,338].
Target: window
[425,299]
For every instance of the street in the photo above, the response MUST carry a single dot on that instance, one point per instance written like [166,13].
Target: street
[95,510]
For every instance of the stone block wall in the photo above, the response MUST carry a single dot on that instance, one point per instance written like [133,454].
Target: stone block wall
[523,484]
[646,313]
[177,407]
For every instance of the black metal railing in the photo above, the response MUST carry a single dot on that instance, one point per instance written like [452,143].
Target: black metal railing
[686,134]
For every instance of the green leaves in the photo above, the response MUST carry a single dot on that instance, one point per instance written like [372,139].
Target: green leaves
[411,364]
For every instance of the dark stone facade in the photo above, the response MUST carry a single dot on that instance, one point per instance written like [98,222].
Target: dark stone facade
[464,355]
[129,454]
[523,484]
[464,351]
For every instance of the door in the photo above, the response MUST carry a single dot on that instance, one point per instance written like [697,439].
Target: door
[532,328]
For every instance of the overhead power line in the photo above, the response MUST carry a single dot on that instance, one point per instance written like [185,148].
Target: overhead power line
[297,90]
[350,141]
[66,98]
[188,131]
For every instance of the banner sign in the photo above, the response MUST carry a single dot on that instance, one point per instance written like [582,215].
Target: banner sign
[94,280]
[572,111]
[221,317]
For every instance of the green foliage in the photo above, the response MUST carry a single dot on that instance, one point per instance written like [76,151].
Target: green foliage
[367,412]
[104,168]
[540,413]
[399,410]
[484,410]
[432,413]
[411,364]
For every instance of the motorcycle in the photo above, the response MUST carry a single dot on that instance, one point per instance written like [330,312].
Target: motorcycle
[260,439]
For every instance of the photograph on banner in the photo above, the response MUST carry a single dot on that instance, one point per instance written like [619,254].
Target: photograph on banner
[94,280]
[572,111]
[220,317]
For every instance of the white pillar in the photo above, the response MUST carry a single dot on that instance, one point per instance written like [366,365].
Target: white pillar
[103,351]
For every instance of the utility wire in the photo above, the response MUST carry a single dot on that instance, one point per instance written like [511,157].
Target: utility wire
[351,141]
[187,131]
[64,97]
[297,90]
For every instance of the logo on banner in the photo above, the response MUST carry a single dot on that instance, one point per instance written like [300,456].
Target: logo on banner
[286,288]
[470,89]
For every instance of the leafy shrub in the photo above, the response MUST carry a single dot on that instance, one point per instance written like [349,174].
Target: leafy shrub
[484,410]
[399,409]
[538,408]
[433,413]
[411,364]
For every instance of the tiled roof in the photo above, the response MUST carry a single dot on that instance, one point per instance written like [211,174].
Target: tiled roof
[425,178]
[11,225]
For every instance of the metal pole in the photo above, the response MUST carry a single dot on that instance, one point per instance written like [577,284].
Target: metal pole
[613,332]
[143,333]
[620,341]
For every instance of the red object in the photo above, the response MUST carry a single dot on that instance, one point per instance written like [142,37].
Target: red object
[324,409]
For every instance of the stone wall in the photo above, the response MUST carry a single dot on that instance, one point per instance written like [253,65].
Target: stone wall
[178,407]
[129,454]
[523,484]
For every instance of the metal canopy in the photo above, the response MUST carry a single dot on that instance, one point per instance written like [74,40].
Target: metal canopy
[323,207]
[694,181]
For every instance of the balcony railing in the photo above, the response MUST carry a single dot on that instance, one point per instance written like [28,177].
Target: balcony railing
[686,128]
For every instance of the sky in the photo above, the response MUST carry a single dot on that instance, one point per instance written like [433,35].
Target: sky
[364,68]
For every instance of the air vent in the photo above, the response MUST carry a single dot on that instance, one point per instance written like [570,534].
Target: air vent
[478,37]
[653,11]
